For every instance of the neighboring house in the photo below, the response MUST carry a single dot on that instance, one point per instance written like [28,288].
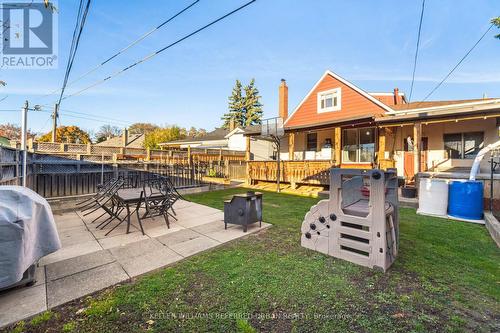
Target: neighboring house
[227,139]
[4,141]
[339,122]
[125,140]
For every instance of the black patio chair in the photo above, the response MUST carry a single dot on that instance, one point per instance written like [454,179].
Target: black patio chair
[101,190]
[106,202]
[155,199]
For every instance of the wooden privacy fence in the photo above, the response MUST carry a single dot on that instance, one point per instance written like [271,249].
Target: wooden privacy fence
[90,152]
[294,172]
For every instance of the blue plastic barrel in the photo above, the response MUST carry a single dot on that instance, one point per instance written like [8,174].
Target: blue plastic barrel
[465,199]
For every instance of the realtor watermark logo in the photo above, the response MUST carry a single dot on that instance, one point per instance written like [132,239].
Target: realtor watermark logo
[29,35]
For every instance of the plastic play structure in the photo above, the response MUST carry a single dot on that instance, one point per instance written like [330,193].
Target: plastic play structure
[360,221]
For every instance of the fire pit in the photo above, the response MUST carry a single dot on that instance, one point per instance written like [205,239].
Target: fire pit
[243,209]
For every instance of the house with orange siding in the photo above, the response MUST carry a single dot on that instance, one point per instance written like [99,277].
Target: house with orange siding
[338,124]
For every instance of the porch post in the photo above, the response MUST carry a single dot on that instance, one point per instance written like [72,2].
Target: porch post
[337,145]
[417,131]
[247,151]
[291,146]
[248,177]
[381,147]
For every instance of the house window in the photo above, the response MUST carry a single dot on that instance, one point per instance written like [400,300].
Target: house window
[312,141]
[463,145]
[329,100]
[358,145]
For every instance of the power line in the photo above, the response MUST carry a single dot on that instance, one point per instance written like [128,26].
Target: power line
[102,121]
[148,57]
[416,51]
[141,38]
[458,64]
[74,45]
[96,116]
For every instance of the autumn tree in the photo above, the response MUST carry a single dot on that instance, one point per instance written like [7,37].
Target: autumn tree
[160,135]
[67,134]
[13,131]
[142,128]
[193,132]
[105,132]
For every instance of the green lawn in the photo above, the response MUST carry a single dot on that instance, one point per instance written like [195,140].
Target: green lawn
[445,279]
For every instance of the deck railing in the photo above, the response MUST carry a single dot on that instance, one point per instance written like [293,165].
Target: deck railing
[294,172]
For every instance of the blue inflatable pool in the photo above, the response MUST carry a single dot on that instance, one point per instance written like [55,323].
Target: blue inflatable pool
[465,200]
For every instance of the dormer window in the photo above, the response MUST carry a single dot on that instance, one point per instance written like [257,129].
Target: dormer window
[329,100]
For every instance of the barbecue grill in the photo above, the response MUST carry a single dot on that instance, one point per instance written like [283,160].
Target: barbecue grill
[27,233]
[243,209]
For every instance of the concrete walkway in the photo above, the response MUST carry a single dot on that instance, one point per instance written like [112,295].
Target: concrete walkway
[90,261]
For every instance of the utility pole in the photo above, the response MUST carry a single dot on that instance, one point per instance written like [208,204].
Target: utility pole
[55,115]
[24,137]
[24,134]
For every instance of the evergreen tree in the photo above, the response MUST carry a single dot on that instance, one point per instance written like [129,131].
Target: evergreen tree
[496,22]
[244,110]
[253,106]
[236,108]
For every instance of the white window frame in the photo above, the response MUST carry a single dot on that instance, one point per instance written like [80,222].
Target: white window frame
[337,92]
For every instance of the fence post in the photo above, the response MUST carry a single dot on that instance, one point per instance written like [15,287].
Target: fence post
[89,148]
[62,147]
[30,144]
[115,170]
[78,162]
[148,154]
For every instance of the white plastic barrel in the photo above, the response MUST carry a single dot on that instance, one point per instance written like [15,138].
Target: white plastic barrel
[433,197]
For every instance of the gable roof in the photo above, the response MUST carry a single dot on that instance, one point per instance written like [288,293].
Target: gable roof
[347,83]
[217,134]
[134,141]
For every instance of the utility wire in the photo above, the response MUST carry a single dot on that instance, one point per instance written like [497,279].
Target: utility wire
[148,57]
[94,116]
[132,44]
[78,27]
[458,64]
[416,51]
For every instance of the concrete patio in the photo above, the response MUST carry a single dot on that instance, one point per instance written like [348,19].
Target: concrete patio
[90,261]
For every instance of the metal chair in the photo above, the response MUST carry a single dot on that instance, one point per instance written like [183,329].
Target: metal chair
[106,202]
[101,190]
[156,199]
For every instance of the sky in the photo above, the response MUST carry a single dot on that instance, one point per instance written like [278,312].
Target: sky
[370,43]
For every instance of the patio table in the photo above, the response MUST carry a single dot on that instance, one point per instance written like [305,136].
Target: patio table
[132,196]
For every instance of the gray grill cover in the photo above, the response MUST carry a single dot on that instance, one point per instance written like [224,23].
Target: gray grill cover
[27,232]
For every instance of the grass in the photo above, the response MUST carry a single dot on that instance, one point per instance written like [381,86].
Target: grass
[446,279]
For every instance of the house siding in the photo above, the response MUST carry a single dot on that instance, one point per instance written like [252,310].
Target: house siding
[353,104]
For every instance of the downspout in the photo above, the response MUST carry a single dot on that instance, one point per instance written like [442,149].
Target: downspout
[475,165]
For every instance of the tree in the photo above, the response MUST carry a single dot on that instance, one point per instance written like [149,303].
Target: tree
[142,128]
[13,132]
[193,132]
[244,110]
[496,21]
[105,132]
[161,135]
[67,134]
[253,106]
[236,108]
